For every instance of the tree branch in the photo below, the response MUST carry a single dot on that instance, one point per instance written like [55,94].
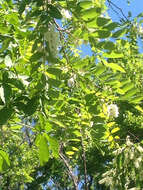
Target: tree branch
[111,3]
[62,38]
[70,172]
[84,162]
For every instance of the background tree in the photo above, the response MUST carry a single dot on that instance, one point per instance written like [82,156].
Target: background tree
[67,121]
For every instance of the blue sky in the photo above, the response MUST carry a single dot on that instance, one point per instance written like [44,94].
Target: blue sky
[135,7]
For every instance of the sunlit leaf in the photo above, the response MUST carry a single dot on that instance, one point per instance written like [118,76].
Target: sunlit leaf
[90,13]
[53,146]
[8,61]
[43,149]
[115,130]
[127,86]
[113,55]
[85,4]
[110,138]
[70,153]
[115,67]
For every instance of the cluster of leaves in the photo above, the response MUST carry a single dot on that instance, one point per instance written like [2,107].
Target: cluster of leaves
[54,102]
[126,168]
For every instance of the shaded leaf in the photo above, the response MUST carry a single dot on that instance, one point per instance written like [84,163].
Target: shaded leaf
[7,92]
[5,114]
[101,21]
[17,83]
[54,12]
[103,34]
[109,45]
[31,106]
[119,33]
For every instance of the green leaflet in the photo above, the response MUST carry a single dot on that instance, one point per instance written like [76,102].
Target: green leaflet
[106,45]
[127,86]
[28,106]
[31,106]
[58,123]
[36,56]
[99,69]
[48,127]
[113,55]
[129,94]
[5,44]
[2,94]
[22,6]
[70,153]
[4,30]
[119,33]
[43,146]
[115,130]
[7,92]
[85,4]
[115,67]
[99,131]
[5,114]
[54,12]
[109,45]
[54,82]
[111,26]
[136,99]
[102,34]
[4,160]
[53,146]
[92,24]
[54,71]
[101,21]
[12,18]
[17,83]
[90,13]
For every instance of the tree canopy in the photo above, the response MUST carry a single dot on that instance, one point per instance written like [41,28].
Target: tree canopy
[70,121]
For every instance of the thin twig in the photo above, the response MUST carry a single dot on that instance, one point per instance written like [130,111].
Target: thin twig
[61,29]
[24,125]
[134,136]
[84,162]
[90,182]
[69,168]
[61,38]
[115,11]
[111,3]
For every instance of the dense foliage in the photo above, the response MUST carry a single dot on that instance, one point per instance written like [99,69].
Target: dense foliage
[69,121]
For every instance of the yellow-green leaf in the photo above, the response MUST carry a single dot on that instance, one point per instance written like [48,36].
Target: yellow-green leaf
[110,124]
[110,139]
[115,130]
[74,148]
[115,67]
[70,153]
